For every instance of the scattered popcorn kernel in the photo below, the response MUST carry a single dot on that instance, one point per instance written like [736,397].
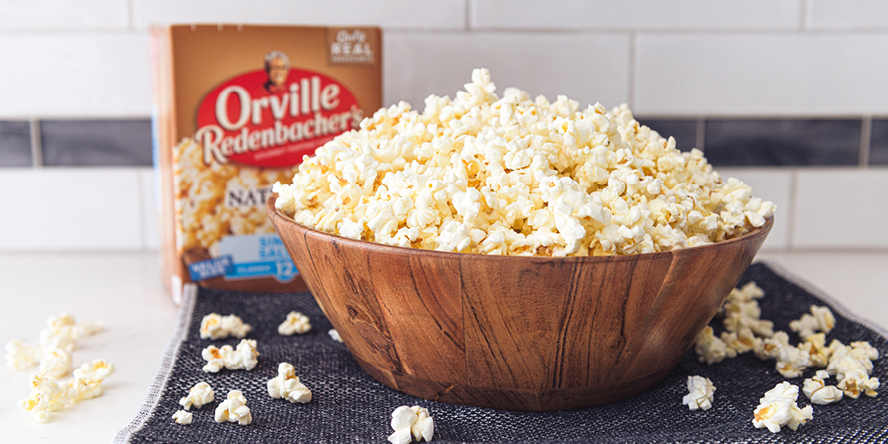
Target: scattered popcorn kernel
[287,385]
[296,322]
[55,363]
[769,348]
[738,342]
[96,370]
[709,348]
[857,381]
[87,380]
[46,396]
[818,392]
[63,331]
[863,350]
[334,335]
[792,362]
[215,326]
[411,423]
[817,350]
[216,357]
[778,408]
[243,357]
[198,396]
[234,409]
[21,356]
[820,319]
[700,393]
[515,176]
[182,417]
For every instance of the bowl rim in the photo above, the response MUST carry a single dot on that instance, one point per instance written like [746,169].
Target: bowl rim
[272,208]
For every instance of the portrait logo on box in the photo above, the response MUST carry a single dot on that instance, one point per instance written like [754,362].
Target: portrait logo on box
[274,116]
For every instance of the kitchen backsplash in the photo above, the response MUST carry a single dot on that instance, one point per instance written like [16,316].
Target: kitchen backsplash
[789,96]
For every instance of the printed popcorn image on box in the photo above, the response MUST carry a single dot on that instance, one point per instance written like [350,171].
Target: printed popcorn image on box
[236,109]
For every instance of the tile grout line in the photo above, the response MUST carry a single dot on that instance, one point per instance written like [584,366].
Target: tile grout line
[36,143]
[793,197]
[701,134]
[804,7]
[633,69]
[866,134]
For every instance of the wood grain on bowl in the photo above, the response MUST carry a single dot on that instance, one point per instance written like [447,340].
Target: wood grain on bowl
[517,333]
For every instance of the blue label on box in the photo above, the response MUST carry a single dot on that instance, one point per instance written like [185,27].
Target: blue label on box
[257,256]
[210,268]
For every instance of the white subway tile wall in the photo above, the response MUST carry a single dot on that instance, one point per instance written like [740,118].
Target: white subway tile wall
[682,64]
[397,14]
[71,209]
[419,64]
[775,185]
[743,73]
[74,74]
[845,208]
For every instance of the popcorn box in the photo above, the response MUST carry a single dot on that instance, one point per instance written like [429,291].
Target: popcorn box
[235,110]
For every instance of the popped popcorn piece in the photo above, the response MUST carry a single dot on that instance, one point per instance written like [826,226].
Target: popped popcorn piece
[856,381]
[182,417]
[46,396]
[411,423]
[818,352]
[216,357]
[844,358]
[215,326]
[87,380]
[243,357]
[820,319]
[63,331]
[709,348]
[296,322]
[818,392]
[287,385]
[769,348]
[792,362]
[700,393]
[55,363]
[198,396]
[515,176]
[21,356]
[738,342]
[778,408]
[334,335]
[863,350]
[234,409]
[741,310]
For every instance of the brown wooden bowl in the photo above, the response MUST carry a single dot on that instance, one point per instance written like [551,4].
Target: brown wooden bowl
[516,333]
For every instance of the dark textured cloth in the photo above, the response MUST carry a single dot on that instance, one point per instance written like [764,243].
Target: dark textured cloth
[348,406]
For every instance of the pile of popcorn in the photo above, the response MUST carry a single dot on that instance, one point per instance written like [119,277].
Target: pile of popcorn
[745,331]
[515,176]
[49,391]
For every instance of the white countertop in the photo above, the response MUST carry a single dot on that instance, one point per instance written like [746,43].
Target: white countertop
[124,290]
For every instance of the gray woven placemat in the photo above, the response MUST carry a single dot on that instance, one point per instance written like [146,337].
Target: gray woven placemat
[349,406]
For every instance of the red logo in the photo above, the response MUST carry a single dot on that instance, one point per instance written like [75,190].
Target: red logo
[273,117]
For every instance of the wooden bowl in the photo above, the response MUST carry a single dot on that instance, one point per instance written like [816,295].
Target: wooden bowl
[516,333]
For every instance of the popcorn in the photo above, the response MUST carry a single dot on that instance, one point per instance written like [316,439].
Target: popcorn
[243,357]
[87,381]
[62,331]
[234,409]
[287,385]
[411,423]
[334,335]
[296,322]
[818,353]
[792,362]
[709,348]
[700,394]
[21,356]
[182,417]
[818,392]
[738,342]
[214,326]
[55,363]
[769,348]
[46,396]
[512,176]
[778,408]
[820,319]
[855,381]
[198,396]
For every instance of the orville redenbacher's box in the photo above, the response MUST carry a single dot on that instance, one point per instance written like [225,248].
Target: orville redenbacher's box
[235,110]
